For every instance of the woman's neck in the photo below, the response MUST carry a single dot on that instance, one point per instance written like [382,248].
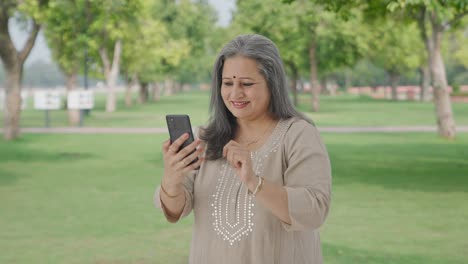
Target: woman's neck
[255,124]
[253,133]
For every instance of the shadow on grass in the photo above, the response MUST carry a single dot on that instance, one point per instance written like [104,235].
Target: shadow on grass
[7,177]
[339,254]
[19,151]
[408,166]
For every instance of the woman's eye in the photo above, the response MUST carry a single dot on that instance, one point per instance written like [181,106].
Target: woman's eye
[227,83]
[247,84]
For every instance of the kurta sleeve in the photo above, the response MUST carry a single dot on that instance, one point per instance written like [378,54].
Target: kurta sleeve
[188,191]
[307,177]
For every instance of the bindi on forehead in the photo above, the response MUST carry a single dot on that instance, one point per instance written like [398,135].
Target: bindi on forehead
[238,77]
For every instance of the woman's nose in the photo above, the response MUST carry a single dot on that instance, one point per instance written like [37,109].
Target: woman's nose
[236,90]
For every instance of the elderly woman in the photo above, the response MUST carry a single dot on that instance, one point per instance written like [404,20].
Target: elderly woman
[263,186]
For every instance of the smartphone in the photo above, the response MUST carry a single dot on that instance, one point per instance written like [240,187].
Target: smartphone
[179,125]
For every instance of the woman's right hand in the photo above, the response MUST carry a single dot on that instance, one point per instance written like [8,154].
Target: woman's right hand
[177,164]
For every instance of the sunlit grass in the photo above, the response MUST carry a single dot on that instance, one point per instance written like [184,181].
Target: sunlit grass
[397,198]
[342,110]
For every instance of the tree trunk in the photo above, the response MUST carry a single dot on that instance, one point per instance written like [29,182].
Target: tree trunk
[333,87]
[128,95]
[168,87]
[111,71]
[315,86]
[177,87]
[394,80]
[144,93]
[294,78]
[73,114]
[424,82]
[347,79]
[425,69]
[12,113]
[156,92]
[111,100]
[13,61]
[323,85]
[294,89]
[443,105]
[129,91]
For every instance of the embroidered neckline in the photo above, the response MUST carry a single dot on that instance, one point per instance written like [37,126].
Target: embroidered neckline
[231,203]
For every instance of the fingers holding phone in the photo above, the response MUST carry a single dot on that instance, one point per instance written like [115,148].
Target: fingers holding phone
[185,159]
[192,155]
[188,157]
[181,153]
[177,164]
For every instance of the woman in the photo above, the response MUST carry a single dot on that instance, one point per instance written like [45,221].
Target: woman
[264,184]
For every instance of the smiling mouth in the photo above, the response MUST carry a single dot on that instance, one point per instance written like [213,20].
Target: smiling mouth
[239,104]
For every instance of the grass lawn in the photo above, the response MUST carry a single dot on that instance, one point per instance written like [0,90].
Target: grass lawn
[397,198]
[347,110]
[343,110]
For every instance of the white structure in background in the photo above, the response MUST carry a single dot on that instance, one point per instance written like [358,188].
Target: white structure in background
[24,100]
[47,100]
[80,99]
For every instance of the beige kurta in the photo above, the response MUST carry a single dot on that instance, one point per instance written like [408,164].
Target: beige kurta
[231,227]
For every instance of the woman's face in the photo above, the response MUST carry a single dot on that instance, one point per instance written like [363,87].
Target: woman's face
[244,89]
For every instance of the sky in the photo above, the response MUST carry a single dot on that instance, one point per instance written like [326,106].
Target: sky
[42,52]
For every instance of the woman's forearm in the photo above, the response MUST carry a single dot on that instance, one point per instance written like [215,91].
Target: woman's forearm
[174,201]
[273,197]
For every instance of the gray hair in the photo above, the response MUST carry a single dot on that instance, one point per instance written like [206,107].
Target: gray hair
[223,125]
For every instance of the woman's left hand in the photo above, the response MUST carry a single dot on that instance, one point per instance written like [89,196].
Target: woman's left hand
[239,158]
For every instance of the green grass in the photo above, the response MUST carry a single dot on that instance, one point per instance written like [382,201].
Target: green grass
[347,110]
[343,110]
[147,115]
[397,198]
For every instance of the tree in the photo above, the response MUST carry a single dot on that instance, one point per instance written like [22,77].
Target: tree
[65,31]
[13,59]
[307,35]
[149,49]
[461,52]
[341,44]
[279,23]
[193,23]
[436,17]
[395,47]
[365,73]
[109,23]
[456,56]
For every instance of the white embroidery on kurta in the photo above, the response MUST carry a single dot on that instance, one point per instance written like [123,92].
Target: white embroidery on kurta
[232,204]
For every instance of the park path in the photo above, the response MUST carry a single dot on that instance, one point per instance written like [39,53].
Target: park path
[158,130]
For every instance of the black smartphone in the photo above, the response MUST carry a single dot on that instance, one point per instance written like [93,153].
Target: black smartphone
[179,125]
